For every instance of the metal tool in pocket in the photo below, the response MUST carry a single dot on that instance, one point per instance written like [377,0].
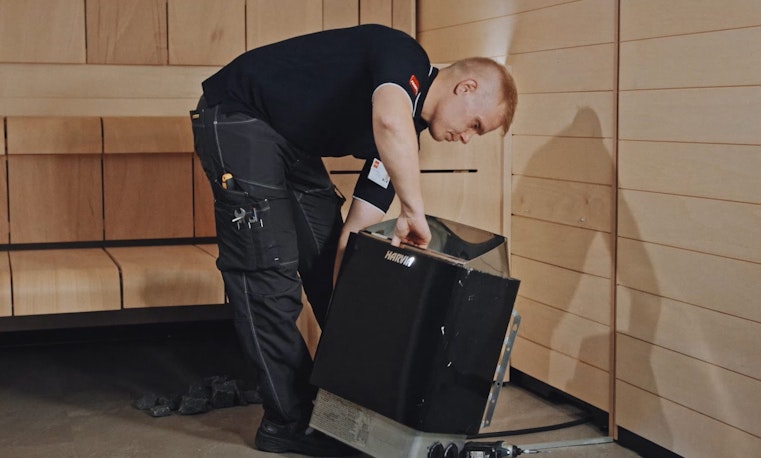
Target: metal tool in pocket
[243,216]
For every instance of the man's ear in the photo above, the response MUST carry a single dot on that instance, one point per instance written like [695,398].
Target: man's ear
[468,85]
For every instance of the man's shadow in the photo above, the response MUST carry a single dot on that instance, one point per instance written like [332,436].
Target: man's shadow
[595,351]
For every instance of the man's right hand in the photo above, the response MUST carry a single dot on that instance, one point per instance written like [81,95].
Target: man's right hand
[411,230]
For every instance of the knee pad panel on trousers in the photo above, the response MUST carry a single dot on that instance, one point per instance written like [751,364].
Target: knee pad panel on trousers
[250,233]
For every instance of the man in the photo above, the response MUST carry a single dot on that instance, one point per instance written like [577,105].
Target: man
[260,130]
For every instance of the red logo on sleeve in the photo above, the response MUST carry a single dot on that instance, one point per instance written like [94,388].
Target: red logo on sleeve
[414,84]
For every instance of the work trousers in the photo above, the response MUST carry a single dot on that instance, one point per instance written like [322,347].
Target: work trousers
[278,222]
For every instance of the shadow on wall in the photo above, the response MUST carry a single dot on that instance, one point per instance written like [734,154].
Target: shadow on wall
[587,248]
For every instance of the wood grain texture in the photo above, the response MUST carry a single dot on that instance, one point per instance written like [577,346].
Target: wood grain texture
[586,68]
[578,114]
[722,394]
[148,196]
[564,25]
[268,21]
[126,32]
[586,160]
[160,276]
[691,277]
[585,295]
[568,374]
[206,32]
[436,14]
[55,198]
[582,250]
[375,12]
[64,281]
[565,332]
[723,340]
[203,203]
[720,58]
[337,14]
[702,115]
[149,134]
[710,226]
[726,172]
[404,16]
[42,31]
[54,135]
[678,428]
[654,18]
[6,305]
[572,204]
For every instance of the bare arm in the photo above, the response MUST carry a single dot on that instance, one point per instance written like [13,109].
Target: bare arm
[397,144]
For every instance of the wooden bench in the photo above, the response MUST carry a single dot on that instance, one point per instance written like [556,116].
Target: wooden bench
[103,214]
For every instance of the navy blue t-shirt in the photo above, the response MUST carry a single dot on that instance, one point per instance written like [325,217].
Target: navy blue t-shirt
[316,91]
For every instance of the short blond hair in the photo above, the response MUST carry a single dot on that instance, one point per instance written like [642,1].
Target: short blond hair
[486,68]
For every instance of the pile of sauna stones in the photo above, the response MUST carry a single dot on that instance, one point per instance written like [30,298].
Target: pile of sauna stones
[217,392]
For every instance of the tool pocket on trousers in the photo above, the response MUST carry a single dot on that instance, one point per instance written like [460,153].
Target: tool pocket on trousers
[246,234]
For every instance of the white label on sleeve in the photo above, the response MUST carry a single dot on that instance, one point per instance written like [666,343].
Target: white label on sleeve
[378,174]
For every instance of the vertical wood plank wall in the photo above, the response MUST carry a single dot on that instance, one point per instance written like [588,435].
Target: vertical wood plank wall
[688,370]
[650,133]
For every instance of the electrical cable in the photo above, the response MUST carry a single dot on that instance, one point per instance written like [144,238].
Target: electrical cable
[538,429]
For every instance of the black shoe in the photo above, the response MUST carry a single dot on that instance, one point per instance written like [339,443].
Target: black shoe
[275,438]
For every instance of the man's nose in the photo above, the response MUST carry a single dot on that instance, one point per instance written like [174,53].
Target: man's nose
[465,136]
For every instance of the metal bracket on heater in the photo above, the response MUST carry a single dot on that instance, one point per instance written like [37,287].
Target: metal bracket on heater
[499,376]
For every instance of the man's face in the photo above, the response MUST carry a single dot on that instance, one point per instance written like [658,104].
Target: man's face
[463,114]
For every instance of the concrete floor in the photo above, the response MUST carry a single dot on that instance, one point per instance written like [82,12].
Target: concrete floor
[63,397]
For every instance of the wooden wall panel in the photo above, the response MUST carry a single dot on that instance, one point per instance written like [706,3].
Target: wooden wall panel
[404,16]
[99,90]
[718,171]
[6,306]
[719,393]
[572,204]
[586,160]
[587,68]
[203,203]
[564,372]
[705,115]
[54,179]
[42,31]
[126,32]
[577,249]
[438,14]
[268,21]
[375,12]
[722,340]
[710,226]
[573,24]
[707,59]
[148,196]
[571,114]
[48,135]
[158,134]
[581,294]
[337,14]
[64,281]
[677,428]
[655,18]
[55,198]
[206,32]
[718,283]
[570,334]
